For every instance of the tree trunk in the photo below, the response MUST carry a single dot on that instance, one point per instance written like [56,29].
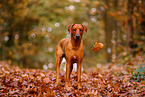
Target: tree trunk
[108,33]
[143,17]
[115,32]
[130,25]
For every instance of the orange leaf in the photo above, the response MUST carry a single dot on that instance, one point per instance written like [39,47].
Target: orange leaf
[97,46]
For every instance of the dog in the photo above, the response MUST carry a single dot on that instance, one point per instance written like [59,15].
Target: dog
[73,51]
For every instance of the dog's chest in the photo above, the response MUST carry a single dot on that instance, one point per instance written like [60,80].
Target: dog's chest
[74,58]
[74,55]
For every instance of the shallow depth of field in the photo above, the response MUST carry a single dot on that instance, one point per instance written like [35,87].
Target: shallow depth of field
[31,29]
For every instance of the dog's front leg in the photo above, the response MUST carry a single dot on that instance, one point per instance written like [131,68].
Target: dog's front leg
[68,70]
[79,74]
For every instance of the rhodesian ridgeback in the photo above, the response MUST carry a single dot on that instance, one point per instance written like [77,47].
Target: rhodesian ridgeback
[73,51]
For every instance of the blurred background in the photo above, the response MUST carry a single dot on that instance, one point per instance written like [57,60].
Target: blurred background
[31,29]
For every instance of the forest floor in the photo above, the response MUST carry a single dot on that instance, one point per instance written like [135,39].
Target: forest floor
[108,80]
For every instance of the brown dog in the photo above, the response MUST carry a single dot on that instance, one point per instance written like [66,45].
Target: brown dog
[72,50]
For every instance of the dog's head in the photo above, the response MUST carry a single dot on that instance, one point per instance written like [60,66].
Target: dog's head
[77,30]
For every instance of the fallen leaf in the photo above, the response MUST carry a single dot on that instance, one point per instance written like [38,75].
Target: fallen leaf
[97,46]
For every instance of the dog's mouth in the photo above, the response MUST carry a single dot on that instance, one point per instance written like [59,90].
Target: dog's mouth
[77,37]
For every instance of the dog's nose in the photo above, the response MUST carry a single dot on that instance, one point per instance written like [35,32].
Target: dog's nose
[77,36]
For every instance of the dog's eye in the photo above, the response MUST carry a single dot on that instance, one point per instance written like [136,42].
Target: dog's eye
[74,29]
[81,30]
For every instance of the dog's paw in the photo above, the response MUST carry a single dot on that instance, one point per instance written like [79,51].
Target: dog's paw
[57,81]
[68,88]
[57,84]
[79,87]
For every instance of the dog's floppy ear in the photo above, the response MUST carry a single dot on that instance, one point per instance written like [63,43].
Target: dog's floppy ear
[69,27]
[85,28]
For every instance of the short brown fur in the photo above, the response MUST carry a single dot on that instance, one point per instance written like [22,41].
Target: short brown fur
[73,51]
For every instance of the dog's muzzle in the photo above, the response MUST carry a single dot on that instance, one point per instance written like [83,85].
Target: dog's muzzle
[77,36]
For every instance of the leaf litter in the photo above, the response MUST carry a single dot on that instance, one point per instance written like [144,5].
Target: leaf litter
[102,82]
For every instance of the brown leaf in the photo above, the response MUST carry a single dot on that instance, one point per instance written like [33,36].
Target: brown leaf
[97,46]
[46,80]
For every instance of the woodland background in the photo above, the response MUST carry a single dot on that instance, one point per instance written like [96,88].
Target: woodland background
[31,29]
